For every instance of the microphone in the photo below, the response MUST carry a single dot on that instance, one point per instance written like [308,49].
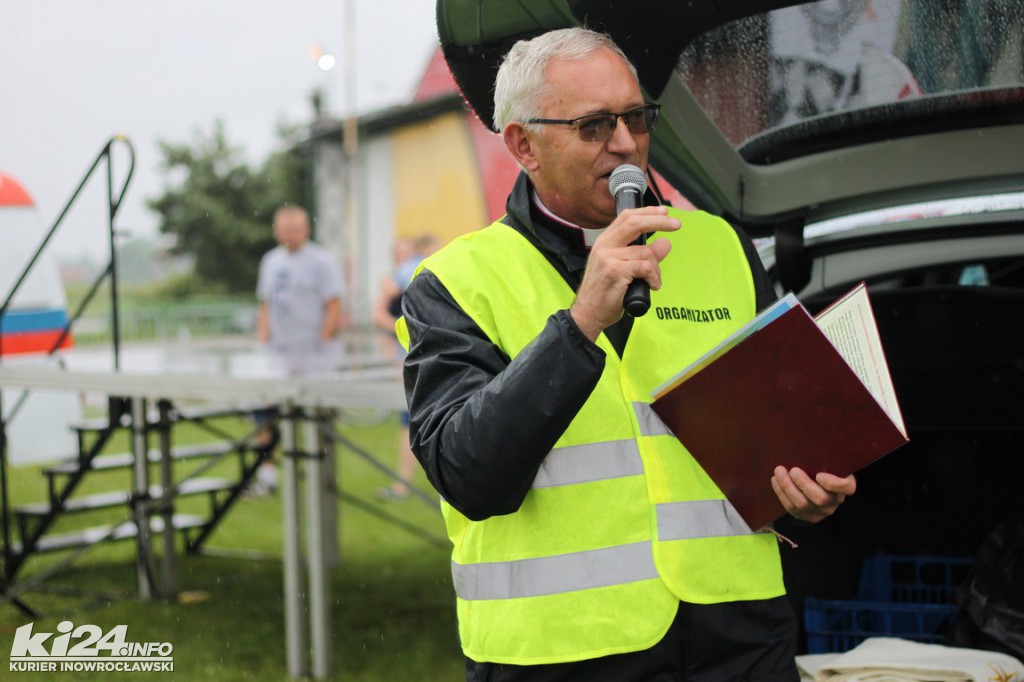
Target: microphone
[628,184]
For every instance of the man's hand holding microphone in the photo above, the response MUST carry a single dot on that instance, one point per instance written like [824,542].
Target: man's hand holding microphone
[622,268]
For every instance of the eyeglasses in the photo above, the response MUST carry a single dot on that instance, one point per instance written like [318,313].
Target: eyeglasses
[601,127]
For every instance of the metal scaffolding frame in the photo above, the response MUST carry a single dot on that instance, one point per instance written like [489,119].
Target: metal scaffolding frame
[307,408]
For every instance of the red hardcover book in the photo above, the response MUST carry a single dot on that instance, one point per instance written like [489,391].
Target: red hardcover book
[780,392]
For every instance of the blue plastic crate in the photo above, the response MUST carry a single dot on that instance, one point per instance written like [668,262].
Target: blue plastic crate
[910,597]
[912,579]
[840,625]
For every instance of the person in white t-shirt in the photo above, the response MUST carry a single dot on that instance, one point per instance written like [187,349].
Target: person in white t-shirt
[299,294]
[300,311]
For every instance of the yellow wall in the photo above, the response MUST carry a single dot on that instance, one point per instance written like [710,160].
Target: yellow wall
[436,180]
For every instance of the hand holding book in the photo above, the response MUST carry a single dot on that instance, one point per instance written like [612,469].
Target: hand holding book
[786,390]
[811,499]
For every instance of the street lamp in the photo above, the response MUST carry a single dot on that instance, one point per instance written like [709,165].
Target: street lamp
[325,61]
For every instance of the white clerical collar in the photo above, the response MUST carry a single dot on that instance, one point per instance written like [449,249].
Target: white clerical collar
[590,235]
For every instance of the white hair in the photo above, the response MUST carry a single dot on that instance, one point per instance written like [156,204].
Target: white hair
[521,86]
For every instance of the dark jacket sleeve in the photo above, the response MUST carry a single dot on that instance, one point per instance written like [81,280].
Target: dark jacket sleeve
[480,423]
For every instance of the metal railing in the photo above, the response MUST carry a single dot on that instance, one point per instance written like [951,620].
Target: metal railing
[113,205]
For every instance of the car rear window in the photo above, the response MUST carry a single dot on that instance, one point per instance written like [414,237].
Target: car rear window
[841,65]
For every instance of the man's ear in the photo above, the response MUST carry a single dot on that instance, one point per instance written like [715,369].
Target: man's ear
[519,144]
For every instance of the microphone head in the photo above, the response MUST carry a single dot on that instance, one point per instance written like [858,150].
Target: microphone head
[627,176]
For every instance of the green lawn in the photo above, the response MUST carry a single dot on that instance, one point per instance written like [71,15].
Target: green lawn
[392,604]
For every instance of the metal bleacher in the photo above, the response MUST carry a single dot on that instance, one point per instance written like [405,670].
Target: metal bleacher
[36,524]
[61,520]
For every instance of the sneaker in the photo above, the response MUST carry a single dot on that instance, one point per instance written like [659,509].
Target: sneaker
[392,495]
[258,489]
[266,476]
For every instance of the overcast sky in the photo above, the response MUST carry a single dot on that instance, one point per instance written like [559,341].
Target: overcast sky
[75,72]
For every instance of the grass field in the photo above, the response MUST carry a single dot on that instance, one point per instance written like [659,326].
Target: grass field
[392,611]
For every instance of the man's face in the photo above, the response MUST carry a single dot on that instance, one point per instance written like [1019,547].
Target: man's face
[571,176]
[291,229]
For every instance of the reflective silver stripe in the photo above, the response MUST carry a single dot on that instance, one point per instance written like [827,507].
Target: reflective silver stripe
[591,462]
[554,574]
[650,422]
[699,519]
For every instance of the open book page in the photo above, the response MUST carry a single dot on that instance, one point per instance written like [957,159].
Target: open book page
[762,320]
[849,324]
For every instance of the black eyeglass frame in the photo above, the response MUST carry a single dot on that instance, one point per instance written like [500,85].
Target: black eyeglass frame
[650,120]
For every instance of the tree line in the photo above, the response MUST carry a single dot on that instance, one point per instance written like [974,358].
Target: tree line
[219,207]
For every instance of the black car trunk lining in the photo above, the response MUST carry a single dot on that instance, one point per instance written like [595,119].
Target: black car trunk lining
[957,363]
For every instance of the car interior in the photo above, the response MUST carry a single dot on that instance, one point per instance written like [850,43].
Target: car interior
[952,336]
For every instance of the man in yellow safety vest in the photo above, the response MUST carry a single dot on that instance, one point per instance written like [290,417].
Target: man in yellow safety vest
[587,542]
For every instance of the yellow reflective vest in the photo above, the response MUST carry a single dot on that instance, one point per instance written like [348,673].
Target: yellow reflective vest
[621,523]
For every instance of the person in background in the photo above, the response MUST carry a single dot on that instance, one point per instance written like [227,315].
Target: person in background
[588,544]
[300,312]
[386,311]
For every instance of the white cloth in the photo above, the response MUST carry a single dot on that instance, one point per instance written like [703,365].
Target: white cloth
[295,287]
[889,659]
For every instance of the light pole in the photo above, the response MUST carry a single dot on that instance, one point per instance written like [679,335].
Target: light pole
[346,239]
[325,61]
[351,157]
